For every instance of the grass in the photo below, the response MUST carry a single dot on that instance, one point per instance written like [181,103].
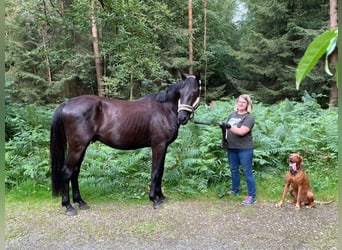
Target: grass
[269,189]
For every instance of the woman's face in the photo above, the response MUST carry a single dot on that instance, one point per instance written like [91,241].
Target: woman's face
[242,104]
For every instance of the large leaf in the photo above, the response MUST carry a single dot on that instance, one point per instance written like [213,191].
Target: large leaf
[317,48]
[330,50]
[336,73]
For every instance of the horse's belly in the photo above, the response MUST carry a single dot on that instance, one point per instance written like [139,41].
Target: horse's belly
[126,141]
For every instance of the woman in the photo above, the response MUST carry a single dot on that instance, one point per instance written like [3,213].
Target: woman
[240,148]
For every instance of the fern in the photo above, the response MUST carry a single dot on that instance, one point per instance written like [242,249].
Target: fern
[194,163]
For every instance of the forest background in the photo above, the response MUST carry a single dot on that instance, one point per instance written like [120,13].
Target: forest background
[126,49]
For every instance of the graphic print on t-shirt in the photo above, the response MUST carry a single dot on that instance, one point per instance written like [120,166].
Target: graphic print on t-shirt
[234,121]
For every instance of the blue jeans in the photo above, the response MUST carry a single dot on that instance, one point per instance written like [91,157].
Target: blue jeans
[245,158]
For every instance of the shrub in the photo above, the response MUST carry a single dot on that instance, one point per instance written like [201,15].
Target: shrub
[27,144]
[195,163]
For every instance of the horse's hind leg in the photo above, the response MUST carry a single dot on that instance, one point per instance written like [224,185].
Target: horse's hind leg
[70,173]
[67,173]
[76,195]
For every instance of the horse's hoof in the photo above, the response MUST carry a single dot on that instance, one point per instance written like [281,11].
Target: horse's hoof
[84,206]
[71,212]
[157,205]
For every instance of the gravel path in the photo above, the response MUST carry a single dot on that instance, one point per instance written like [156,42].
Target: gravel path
[188,224]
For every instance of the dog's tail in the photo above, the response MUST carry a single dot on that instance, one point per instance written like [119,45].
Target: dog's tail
[324,202]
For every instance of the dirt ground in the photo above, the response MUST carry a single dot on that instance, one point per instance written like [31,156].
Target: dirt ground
[188,224]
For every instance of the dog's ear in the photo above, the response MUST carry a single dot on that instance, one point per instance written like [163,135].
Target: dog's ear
[301,160]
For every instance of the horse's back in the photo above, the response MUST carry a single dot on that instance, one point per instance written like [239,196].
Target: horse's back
[92,107]
[86,101]
[80,103]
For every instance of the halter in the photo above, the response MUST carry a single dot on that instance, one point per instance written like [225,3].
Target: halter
[194,106]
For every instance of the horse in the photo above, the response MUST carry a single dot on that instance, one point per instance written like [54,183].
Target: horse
[150,121]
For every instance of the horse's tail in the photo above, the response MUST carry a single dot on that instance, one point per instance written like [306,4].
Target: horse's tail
[58,145]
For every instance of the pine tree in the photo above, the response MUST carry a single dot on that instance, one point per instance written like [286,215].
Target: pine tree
[274,37]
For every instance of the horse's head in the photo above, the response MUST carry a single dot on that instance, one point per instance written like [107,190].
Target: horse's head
[189,99]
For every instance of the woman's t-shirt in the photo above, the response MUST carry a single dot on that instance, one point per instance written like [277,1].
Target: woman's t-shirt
[238,141]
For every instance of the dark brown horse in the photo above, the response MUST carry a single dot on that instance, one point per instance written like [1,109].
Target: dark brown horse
[151,121]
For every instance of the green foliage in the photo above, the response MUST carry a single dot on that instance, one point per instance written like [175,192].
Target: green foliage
[274,36]
[133,51]
[323,44]
[297,127]
[46,44]
[115,172]
[195,163]
[27,145]
[249,45]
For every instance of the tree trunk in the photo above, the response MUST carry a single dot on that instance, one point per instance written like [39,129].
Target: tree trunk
[191,53]
[205,48]
[44,34]
[333,99]
[98,65]
[47,61]
[61,4]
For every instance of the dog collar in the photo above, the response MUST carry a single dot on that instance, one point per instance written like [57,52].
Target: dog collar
[294,172]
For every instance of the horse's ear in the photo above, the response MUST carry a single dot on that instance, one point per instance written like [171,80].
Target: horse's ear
[183,76]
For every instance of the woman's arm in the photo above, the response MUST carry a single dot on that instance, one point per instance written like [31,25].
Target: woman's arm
[243,130]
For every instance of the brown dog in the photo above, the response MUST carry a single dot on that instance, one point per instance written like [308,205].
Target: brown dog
[299,182]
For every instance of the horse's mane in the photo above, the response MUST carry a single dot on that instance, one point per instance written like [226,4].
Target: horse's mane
[168,93]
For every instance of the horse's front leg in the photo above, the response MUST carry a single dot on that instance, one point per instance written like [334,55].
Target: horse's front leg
[158,160]
[158,187]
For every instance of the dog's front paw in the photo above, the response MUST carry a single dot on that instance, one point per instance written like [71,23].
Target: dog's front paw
[279,204]
[297,207]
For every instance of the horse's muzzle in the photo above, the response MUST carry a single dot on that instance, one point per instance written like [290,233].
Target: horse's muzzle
[183,117]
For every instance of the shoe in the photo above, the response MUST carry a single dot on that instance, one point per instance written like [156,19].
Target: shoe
[249,200]
[232,193]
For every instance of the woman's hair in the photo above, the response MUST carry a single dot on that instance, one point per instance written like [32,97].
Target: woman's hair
[248,100]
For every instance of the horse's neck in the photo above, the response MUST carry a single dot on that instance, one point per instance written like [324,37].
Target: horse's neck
[172,106]
[172,102]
